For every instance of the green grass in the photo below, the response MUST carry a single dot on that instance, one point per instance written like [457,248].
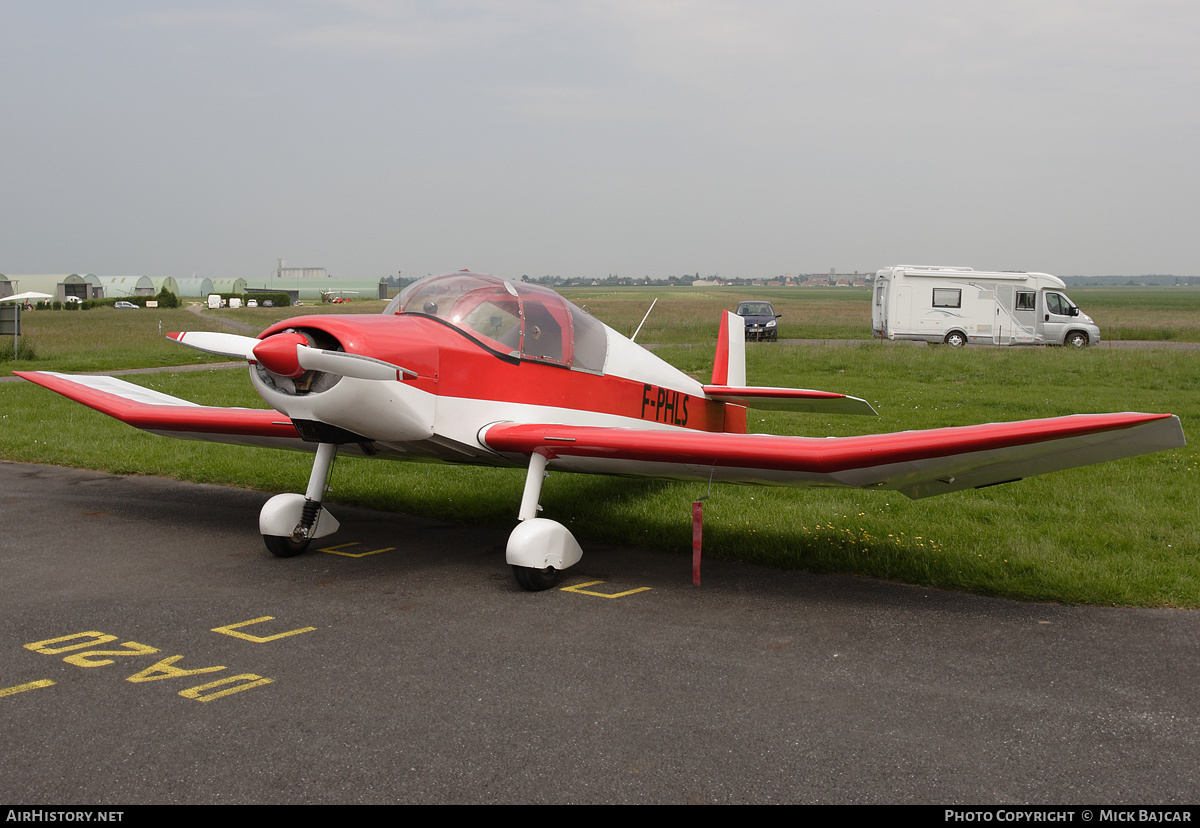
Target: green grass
[1120,533]
[691,315]
[1155,313]
[106,339]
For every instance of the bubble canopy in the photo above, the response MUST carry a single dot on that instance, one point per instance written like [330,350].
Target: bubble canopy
[515,319]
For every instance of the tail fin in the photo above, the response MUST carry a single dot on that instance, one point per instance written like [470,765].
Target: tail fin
[729,366]
[729,385]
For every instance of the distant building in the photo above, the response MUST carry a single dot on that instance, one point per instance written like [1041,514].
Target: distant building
[160,283]
[58,285]
[285,273]
[195,287]
[228,285]
[293,273]
[116,286]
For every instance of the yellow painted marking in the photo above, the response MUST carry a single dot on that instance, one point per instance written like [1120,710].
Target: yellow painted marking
[335,550]
[198,693]
[231,629]
[94,638]
[580,589]
[21,688]
[132,648]
[164,670]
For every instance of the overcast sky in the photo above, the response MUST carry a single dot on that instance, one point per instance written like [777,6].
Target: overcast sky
[582,139]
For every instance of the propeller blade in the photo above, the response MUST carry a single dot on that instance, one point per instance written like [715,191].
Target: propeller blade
[221,344]
[308,358]
[349,365]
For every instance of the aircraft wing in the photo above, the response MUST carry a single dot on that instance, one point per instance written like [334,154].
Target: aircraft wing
[915,463]
[170,416]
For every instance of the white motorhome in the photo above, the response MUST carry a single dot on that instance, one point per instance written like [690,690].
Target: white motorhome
[957,305]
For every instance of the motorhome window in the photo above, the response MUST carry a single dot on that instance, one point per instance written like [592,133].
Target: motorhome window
[1058,304]
[1025,300]
[947,298]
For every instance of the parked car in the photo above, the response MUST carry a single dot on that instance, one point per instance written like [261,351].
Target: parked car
[252,303]
[125,305]
[760,318]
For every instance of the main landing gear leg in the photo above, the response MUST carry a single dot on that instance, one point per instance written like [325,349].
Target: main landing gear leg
[289,521]
[538,549]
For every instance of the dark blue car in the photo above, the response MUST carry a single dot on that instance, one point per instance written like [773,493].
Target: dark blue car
[760,319]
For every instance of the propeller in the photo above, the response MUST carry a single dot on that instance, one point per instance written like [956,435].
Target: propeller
[349,365]
[289,354]
[221,344]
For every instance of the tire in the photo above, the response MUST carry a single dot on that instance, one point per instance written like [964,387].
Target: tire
[1077,339]
[956,339]
[284,547]
[535,580]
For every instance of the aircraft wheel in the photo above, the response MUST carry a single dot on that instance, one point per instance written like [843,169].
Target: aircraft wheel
[535,580]
[284,547]
[1077,339]
[955,339]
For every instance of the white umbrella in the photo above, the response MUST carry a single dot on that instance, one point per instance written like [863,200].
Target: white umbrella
[30,295]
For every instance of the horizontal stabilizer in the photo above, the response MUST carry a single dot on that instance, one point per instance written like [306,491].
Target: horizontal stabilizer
[789,399]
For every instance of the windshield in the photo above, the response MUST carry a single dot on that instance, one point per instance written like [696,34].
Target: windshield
[1058,304]
[511,318]
[755,309]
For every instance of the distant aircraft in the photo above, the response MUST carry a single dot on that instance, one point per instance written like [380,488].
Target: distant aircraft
[470,368]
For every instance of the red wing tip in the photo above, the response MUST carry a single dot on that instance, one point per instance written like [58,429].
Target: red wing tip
[177,336]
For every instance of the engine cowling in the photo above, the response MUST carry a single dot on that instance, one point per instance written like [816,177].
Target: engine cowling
[359,410]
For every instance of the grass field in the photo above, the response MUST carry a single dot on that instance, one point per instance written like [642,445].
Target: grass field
[685,315]
[1120,533]
[690,315]
[1142,313]
[104,339]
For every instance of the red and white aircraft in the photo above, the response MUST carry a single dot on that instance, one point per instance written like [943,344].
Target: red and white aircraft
[469,368]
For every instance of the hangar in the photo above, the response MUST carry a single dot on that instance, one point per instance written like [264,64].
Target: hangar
[58,285]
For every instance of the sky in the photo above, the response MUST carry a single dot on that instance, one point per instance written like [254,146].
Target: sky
[628,137]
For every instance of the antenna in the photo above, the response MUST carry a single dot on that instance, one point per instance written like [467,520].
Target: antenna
[644,318]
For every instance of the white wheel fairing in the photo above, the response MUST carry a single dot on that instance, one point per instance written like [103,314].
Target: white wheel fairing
[538,543]
[281,515]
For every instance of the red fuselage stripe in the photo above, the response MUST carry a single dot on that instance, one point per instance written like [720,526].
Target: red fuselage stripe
[449,364]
